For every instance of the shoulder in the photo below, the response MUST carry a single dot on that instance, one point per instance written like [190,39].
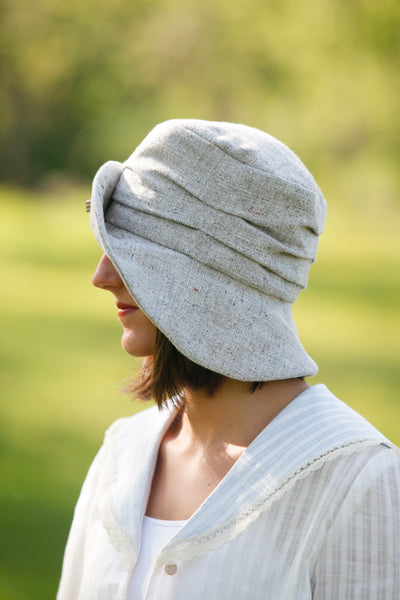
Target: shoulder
[352,454]
[379,470]
[365,471]
[138,435]
[354,437]
[126,425]
[145,422]
[334,418]
[318,438]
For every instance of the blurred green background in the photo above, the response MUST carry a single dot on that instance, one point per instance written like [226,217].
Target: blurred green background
[82,83]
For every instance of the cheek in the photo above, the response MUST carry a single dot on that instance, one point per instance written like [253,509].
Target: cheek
[139,335]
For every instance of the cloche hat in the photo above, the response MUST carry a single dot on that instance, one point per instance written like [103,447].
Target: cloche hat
[213,227]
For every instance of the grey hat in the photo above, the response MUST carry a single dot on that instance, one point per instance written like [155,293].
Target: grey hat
[213,228]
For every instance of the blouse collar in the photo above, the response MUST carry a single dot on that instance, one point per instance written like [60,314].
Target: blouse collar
[313,428]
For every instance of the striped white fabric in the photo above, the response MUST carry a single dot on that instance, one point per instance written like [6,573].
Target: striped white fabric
[311,510]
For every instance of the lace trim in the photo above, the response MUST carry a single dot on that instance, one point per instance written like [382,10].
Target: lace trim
[202,544]
[117,535]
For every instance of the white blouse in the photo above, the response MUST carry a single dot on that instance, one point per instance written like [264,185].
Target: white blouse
[156,533]
[311,510]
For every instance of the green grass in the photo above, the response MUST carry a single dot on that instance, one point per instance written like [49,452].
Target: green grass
[62,366]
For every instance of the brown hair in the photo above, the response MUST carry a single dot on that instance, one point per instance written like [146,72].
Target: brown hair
[164,375]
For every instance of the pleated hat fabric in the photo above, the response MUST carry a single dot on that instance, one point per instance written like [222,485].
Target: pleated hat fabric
[213,227]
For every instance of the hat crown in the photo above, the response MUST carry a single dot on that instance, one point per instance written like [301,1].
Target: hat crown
[246,144]
[241,187]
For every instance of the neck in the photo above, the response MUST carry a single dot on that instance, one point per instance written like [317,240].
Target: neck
[234,415]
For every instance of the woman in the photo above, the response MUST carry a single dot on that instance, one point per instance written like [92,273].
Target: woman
[245,482]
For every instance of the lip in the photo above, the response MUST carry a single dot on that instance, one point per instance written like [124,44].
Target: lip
[125,309]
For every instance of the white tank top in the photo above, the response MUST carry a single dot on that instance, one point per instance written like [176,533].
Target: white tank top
[156,533]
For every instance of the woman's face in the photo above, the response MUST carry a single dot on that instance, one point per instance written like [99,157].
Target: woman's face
[139,333]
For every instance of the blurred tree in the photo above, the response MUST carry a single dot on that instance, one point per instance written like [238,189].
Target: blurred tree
[82,82]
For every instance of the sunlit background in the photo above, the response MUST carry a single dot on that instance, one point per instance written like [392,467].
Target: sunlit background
[82,82]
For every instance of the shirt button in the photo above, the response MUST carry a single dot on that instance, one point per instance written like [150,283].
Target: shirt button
[170,569]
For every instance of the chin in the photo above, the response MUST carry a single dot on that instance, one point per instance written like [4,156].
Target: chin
[137,346]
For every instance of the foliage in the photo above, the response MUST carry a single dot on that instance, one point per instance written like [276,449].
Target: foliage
[82,82]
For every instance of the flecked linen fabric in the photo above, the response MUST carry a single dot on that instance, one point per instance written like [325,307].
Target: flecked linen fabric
[213,227]
[311,510]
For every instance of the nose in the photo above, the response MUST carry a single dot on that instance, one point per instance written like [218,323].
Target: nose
[106,275]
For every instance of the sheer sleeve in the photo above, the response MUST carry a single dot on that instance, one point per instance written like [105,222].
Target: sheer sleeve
[360,556]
